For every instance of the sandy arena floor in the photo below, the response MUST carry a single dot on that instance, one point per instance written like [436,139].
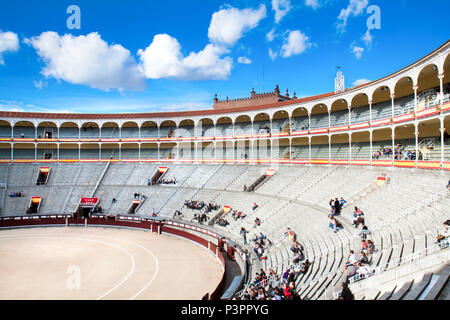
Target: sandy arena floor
[91,263]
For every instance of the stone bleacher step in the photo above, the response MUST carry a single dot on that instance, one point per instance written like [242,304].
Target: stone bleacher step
[440,284]
[399,294]
[418,288]
[387,294]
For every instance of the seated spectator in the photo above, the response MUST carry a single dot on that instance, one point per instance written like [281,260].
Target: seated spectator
[358,217]
[443,235]
[334,225]
[331,203]
[343,202]
[276,282]
[337,206]
[254,206]
[363,269]
[370,247]
[363,259]
[178,213]
[351,260]
[305,266]
[332,213]
[285,276]
[261,237]
[364,246]
[364,232]
[359,220]
[298,257]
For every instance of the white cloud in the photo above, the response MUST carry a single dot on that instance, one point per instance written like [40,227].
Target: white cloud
[367,38]
[313,4]
[272,54]
[40,84]
[281,8]
[360,82]
[354,8]
[9,42]
[295,43]
[229,25]
[244,60]
[87,60]
[271,35]
[357,51]
[19,106]
[163,59]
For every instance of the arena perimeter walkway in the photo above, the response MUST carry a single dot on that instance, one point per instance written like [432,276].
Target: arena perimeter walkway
[103,263]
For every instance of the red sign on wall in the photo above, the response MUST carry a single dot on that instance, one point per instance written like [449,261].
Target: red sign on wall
[89,201]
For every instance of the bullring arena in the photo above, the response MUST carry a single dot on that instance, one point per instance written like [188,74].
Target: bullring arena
[156,205]
[112,264]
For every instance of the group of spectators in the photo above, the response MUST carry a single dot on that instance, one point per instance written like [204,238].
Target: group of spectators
[271,287]
[139,196]
[195,205]
[236,215]
[222,222]
[400,153]
[260,244]
[167,181]
[17,194]
[336,207]
[360,266]
[211,206]
[201,217]
[264,129]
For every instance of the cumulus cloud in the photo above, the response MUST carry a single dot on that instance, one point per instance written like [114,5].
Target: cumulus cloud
[295,43]
[281,8]
[228,25]
[271,35]
[354,8]
[272,54]
[163,59]
[87,60]
[367,38]
[40,84]
[360,82]
[9,42]
[312,3]
[357,51]
[244,60]
[20,106]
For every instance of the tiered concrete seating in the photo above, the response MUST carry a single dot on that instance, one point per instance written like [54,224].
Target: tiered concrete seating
[296,196]
[319,121]
[129,132]
[28,132]
[149,132]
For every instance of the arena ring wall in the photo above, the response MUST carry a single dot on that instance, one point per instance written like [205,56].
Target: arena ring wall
[154,279]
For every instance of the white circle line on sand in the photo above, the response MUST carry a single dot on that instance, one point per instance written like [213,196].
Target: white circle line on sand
[133,263]
[121,240]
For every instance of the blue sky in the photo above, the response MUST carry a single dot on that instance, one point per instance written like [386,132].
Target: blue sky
[147,56]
